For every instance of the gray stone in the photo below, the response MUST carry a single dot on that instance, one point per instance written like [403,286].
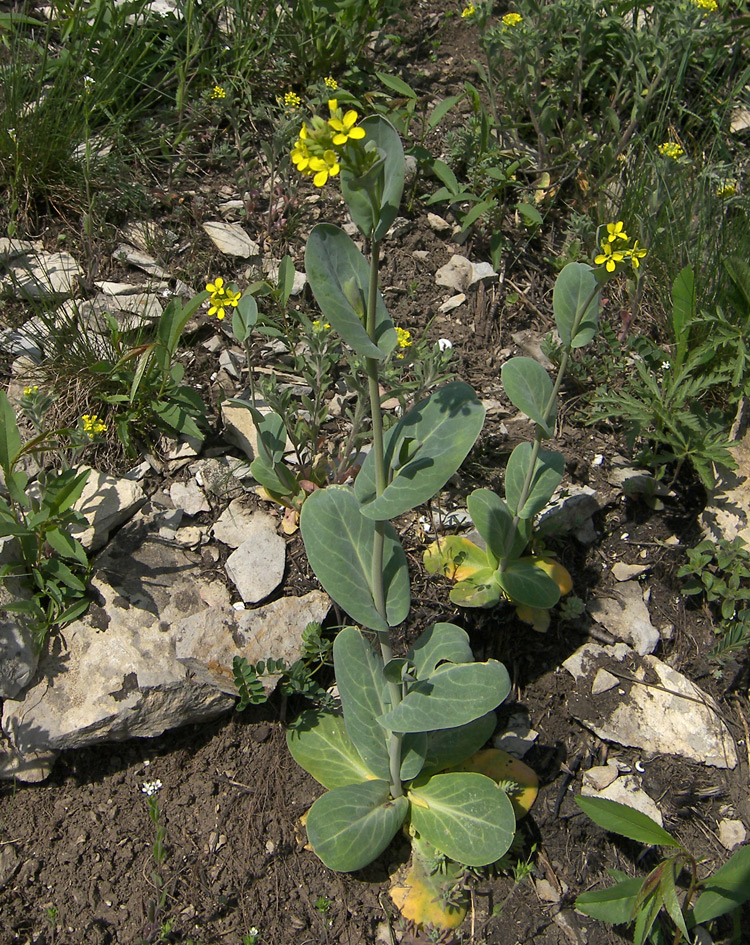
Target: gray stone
[231,239]
[438,224]
[256,568]
[233,525]
[221,476]
[603,682]
[239,428]
[659,710]
[106,503]
[189,497]
[626,617]
[732,833]
[452,303]
[601,776]
[727,512]
[569,511]
[206,643]
[624,572]
[627,790]
[455,274]
[40,275]
[18,656]
[482,273]
[31,768]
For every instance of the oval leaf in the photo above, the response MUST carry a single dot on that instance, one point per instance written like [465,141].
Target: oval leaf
[350,826]
[438,643]
[319,743]
[494,522]
[614,905]
[456,558]
[525,583]
[362,686]
[422,451]
[625,821]
[339,277]
[480,590]
[549,468]
[339,541]
[529,388]
[389,181]
[465,815]
[456,693]
[573,289]
[453,746]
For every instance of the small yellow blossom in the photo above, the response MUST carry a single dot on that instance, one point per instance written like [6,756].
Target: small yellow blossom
[711,5]
[221,298]
[609,257]
[30,391]
[616,231]
[218,92]
[93,425]
[404,340]
[635,254]
[320,326]
[292,100]
[325,167]
[331,83]
[468,11]
[726,188]
[671,149]
[343,125]
[511,20]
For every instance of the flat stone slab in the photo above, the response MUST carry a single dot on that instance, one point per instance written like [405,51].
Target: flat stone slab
[106,502]
[654,708]
[626,616]
[626,790]
[231,239]
[256,568]
[44,276]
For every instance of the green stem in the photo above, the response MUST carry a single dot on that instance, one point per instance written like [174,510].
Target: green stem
[546,417]
[378,545]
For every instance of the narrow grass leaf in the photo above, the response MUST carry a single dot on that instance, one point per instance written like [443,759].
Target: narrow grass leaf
[726,890]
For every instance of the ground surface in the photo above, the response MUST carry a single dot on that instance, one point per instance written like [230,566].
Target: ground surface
[82,842]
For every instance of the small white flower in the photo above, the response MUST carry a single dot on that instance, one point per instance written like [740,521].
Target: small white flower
[444,344]
[598,460]
[87,82]
[12,135]
[151,787]
[665,365]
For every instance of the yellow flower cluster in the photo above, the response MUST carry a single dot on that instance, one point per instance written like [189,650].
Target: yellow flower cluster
[331,83]
[511,20]
[404,340]
[30,391]
[292,100]
[711,5]
[671,149]
[320,326]
[316,152]
[468,11]
[221,298]
[93,425]
[726,188]
[613,253]
[218,92]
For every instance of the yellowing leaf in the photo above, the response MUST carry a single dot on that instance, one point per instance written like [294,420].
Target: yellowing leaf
[454,557]
[500,766]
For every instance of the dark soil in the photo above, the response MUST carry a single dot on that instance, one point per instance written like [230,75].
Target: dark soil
[232,797]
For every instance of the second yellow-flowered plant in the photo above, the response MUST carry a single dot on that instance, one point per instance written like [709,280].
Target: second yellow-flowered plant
[321,146]
[613,253]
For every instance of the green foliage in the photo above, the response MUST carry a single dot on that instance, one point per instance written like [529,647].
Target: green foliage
[720,573]
[656,905]
[44,562]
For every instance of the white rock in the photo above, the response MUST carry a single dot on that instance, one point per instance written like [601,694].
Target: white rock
[601,776]
[518,736]
[231,239]
[732,833]
[106,503]
[44,276]
[627,790]
[624,572]
[207,642]
[437,224]
[220,476]
[455,274]
[727,513]
[239,428]
[140,259]
[233,525]
[603,682]
[452,303]
[482,272]
[569,511]
[256,568]
[18,655]
[143,234]
[189,497]
[626,617]
[31,768]
[672,717]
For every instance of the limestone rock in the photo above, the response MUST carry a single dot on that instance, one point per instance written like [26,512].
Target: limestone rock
[727,513]
[40,275]
[626,617]
[438,224]
[455,274]
[627,790]
[239,428]
[233,525]
[732,833]
[231,239]
[31,768]
[655,708]
[454,302]
[221,476]
[624,572]
[600,776]
[189,497]
[207,642]
[570,510]
[18,656]
[256,568]
[107,503]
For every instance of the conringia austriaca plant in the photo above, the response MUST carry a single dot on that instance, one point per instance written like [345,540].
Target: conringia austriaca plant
[389,759]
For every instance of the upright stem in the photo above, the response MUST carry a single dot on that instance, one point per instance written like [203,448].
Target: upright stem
[546,417]
[378,545]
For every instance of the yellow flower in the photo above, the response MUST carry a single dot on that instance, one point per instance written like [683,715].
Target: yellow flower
[404,340]
[221,298]
[671,149]
[320,326]
[609,257]
[615,231]
[325,167]
[635,254]
[292,100]
[726,188]
[711,5]
[468,11]
[218,92]
[512,19]
[93,425]
[30,391]
[344,126]
[216,288]
[300,154]
[331,83]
